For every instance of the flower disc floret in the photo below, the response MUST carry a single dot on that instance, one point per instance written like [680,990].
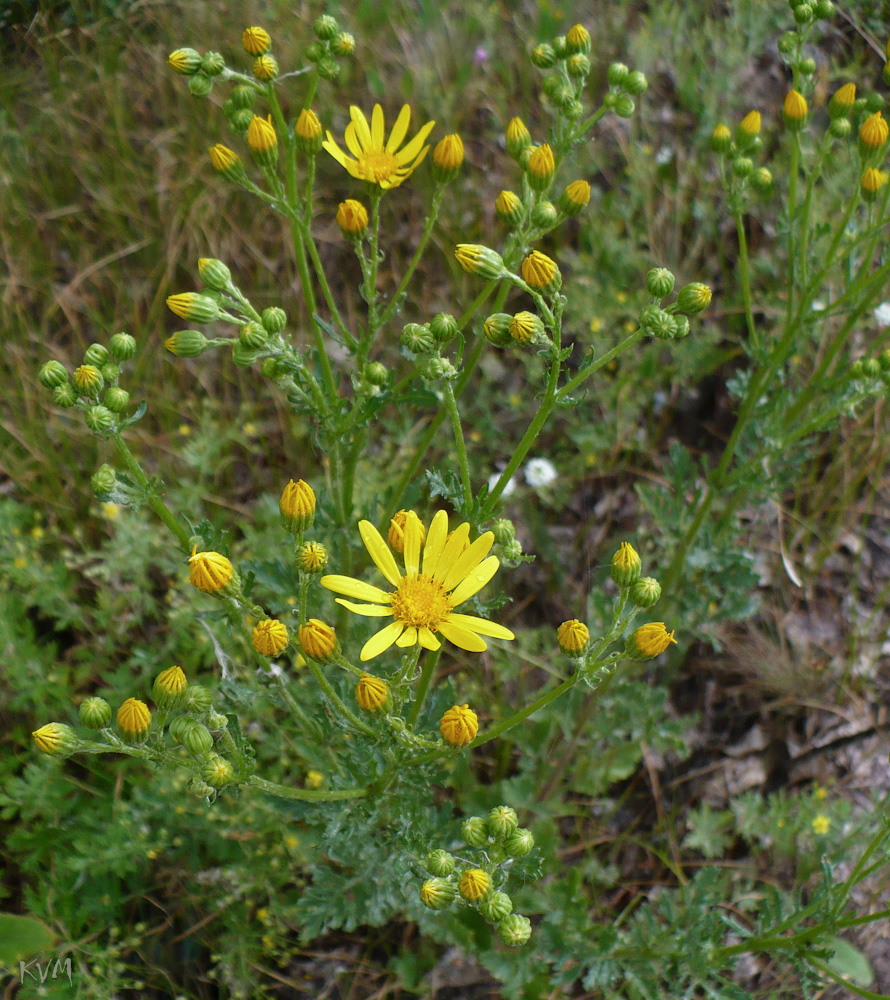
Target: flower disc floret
[377,161]
[209,571]
[441,571]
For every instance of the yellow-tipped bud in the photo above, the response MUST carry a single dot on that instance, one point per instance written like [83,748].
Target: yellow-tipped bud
[184,61]
[480,261]
[872,182]
[269,637]
[371,693]
[448,156]
[133,719]
[312,557]
[319,640]
[526,328]
[297,507]
[56,739]
[540,167]
[794,109]
[509,208]
[194,307]
[842,101]
[572,636]
[518,137]
[748,130]
[308,132]
[396,535]
[648,641]
[459,725]
[474,884]
[256,41]
[88,380]
[540,272]
[169,688]
[262,140]
[721,139]
[265,67]
[575,198]
[577,39]
[873,133]
[437,893]
[187,343]
[209,571]
[626,565]
[352,218]
[225,162]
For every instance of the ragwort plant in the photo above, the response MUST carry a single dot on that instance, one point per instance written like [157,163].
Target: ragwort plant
[376,746]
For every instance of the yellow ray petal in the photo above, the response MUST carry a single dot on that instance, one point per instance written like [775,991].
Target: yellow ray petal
[399,130]
[412,544]
[352,140]
[481,625]
[352,167]
[407,154]
[377,127]
[435,540]
[426,639]
[379,552]
[361,126]
[476,580]
[407,638]
[463,637]
[467,562]
[381,641]
[452,551]
[355,588]
[334,150]
[368,610]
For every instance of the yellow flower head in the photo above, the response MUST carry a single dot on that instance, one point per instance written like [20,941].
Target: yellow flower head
[795,107]
[572,636]
[575,198]
[371,693]
[518,137]
[626,565]
[172,681]
[269,637]
[376,162]
[821,823]
[308,131]
[55,738]
[318,639]
[209,571]
[648,641]
[352,218]
[314,779]
[541,166]
[479,260]
[473,884]
[396,534]
[297,506]
[508,207]
[459,725]
[222,158]
[874,131]
[439,575]
[540,272]
[449,153]
[843,100]
[133,717]
[265,67]
[749,126]
[261,135]
[872,182]
[526,328]
[256,41]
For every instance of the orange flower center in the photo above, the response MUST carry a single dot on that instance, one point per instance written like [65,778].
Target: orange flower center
[377,165]
[420,602]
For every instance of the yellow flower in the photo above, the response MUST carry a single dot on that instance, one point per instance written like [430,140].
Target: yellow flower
[265,67]
[352,218]
[261,135]
[396,534]
[318,639]
[540,272]
[297,506]
[821,824]
[795,107]
[371,693]
[473,884]
[459,725]
[269,637]
[648,641]
[314,779]
[873,133]
[572,636]
[224,161]
[256,41]
[209,571]
[375,162]
[424,597]
[133,717]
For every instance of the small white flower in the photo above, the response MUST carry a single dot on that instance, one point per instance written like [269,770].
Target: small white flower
[540,472]
[882,314]
[664,156]
[508,489]
[818,305]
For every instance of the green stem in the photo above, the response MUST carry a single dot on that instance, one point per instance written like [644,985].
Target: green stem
[746,281]
[304,794]
[595,366]
[336,701]
[426,676]
[832,975]
[460,444]
[156,504]
[873,845]
[792,208]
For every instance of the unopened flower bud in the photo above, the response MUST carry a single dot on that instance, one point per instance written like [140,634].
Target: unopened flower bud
[577,39]
[645,592]
[263,140]
[748,129]
[515,930]
[343,44]
[328,69]
[53,374]
[274,320]
[214,273]
[297,507]
[497,329]
[519,843]
[872,134]
[480,261]
[872,182]
[168,690]
[578,65]
[626,565]
[418,339]
[187,343]
[95,354]
[226,162]
[56,739]
[197,739]
[318,640]
[437,893]
[103,481]
[617,74]
[440,863]
[194,307]
[544,214]
[253,336]
[842,101]
[116,399]
[474,884]
[540,167]
[693,298]
[794,110]
[99,419]
[184,61]
[265,67]
[325,27]
[372,694]
[308,132]
[509,208]
[88,381]
[312,557]
[352,218]
[133,720]
[518,137]
[762,181]
[659,282]
[540,272]
[122,347]
[742,166]
[459,725]
[198,699]
[575,198]
[244,356]
[648,641]
[572,637]
[543,56]
[243,96]
[448,156]
[444,328]
[526,328]
[95,713]
[636,83]
[560,47]
[474,830]
[502,821]
[624,106]
[217,771]
[65,395]
[496,906]
[200,85]
[803,13]
[503,531]
[511,552]
[721,139]
[209,571]
[269,637]
[256,41]
[658,323]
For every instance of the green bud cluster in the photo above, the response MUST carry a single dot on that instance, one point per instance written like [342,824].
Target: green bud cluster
[670,323]
[330,45]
